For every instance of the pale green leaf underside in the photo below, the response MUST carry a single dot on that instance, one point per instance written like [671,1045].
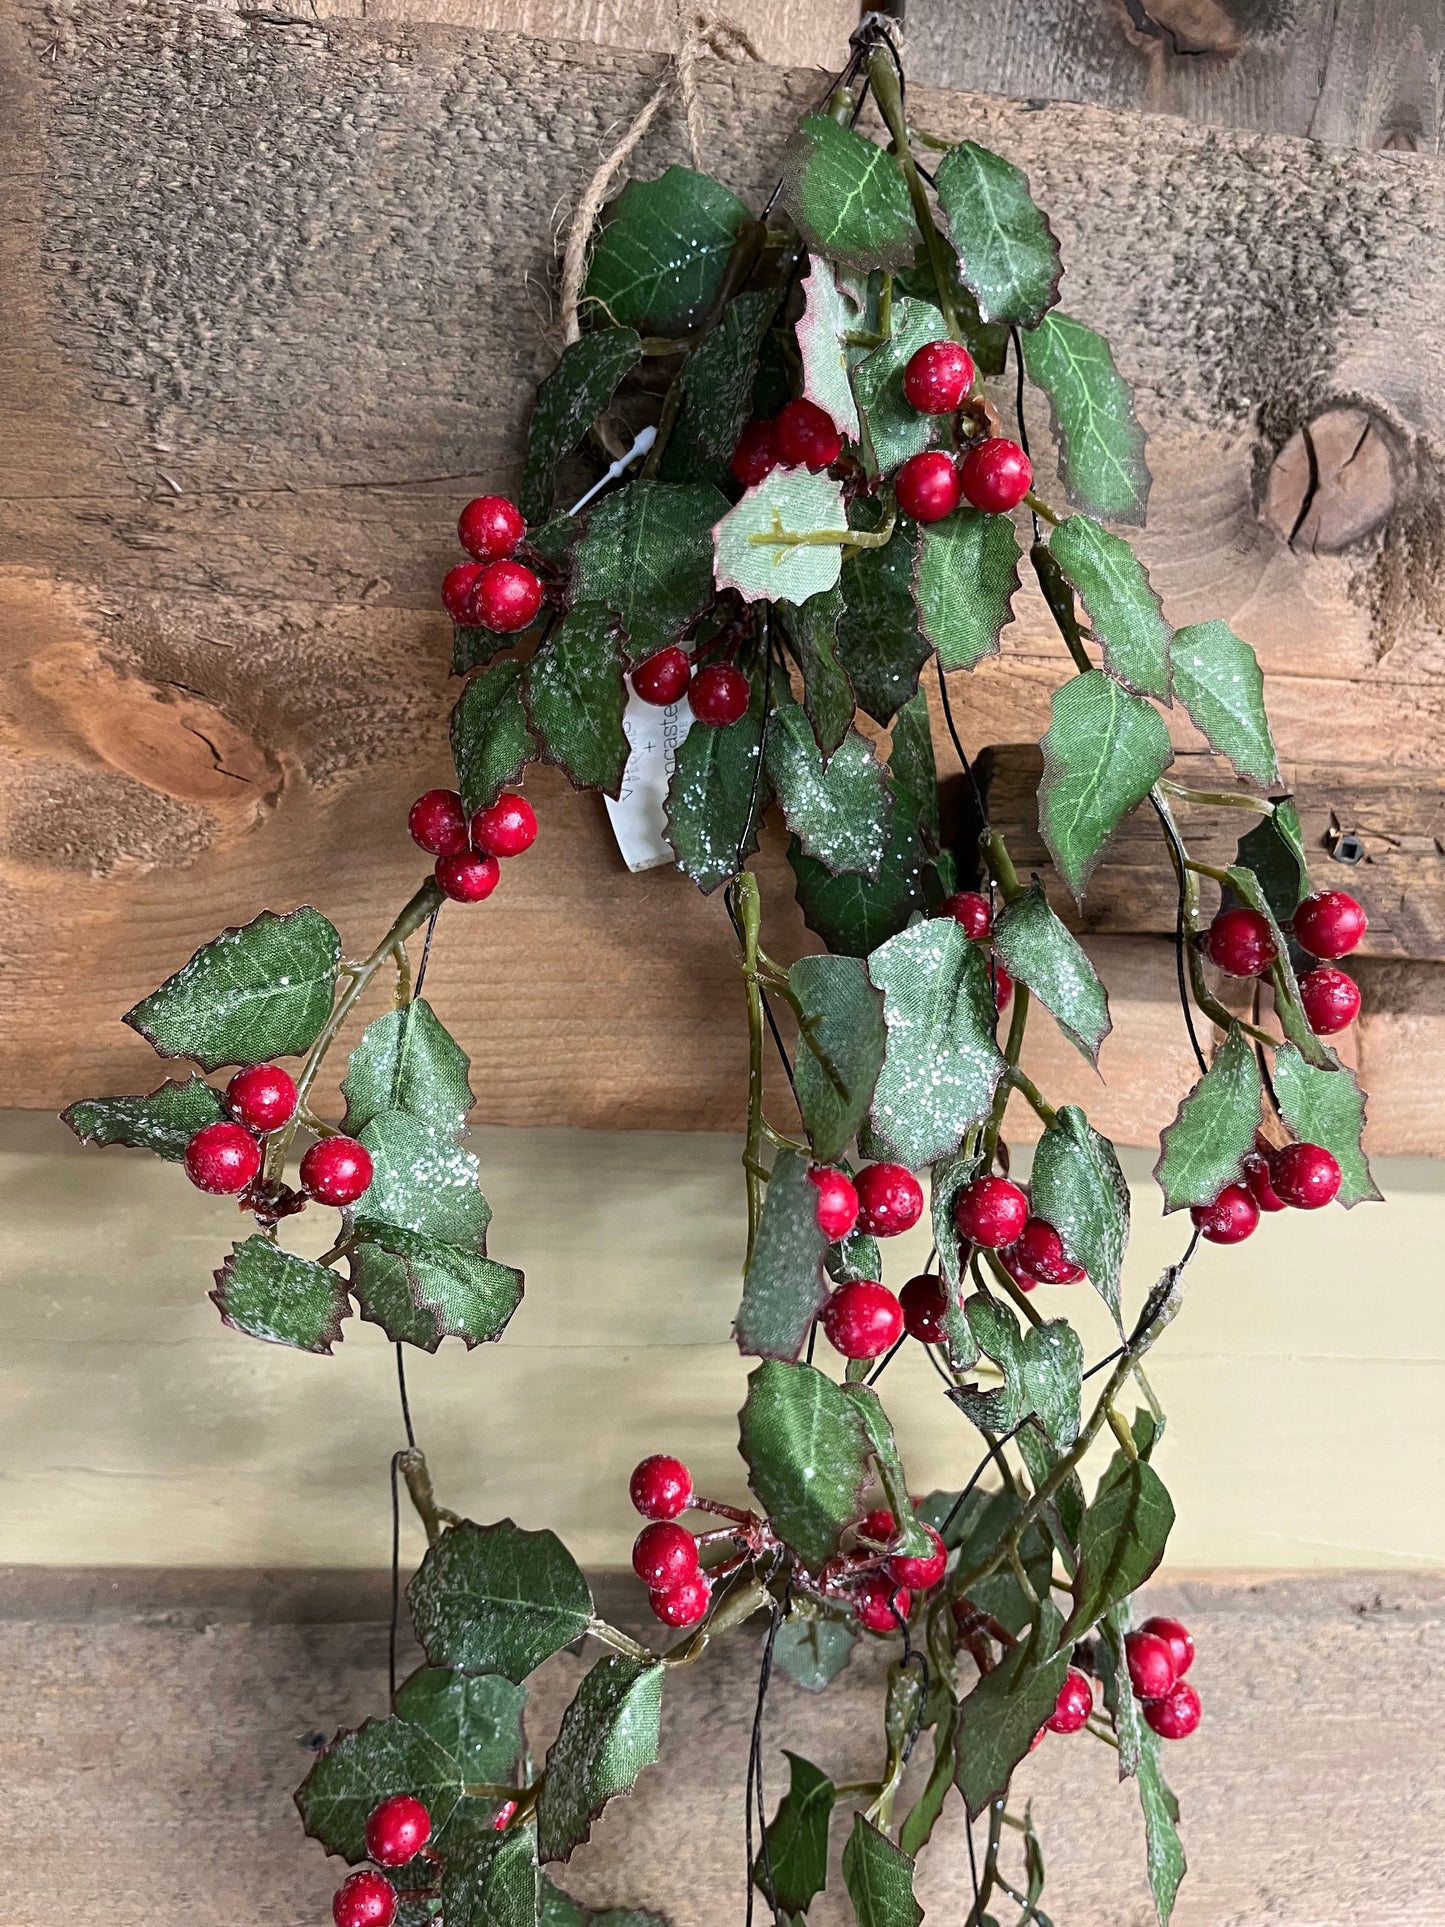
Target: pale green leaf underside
[790,502]
[827,317]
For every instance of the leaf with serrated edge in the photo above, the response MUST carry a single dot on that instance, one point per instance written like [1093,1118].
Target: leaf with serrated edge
[1042,1368]
[1103,753]
[911,767]
[1213,1130]
[1217,678]
[839,813]
[1139,1748]
[853,1257]
[476,1717]
[895,427]
[806,1454]
[847,197]
[853,914]
[359,1770]
[1274,852]
[164,1121]
[783,1288]
[810,635]
[661,250]
[880,645]
[790,502]
[1006,249]
[491,743]
[812,1647]
[492,1880]
[844,1014]
[608,1735]
[569,400]
[1121,1540]
[826,318]
[1036,949]
[718,376]
[575,698]
[717,796]
[964,584]
[408,1061]
[1328,1108]
[999,1718]
[647,556]
[381,1284]
[1076,1185]
[913,1542]
[794,1869]
[274,1295]
[879,1878]
[1101,445]
[497,1599]
[1123,611]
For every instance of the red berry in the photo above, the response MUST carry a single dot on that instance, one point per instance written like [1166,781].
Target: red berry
[261,1097]
[1151,1664]
[458,586]
[507,827]
[927,486]
[661,1487]
[1074,1704]
[438,823]
[364,1899]
[504,1814]
[837,1201]
[890,1199]
[938,377]
[664,1556]
[336,1170]
[506,598]
[920,1574]
[996,475]
[755,456]
[1040,1252]
[1003,984]
[719,695]
[491,527]
[469,877]
[1230,1219]
[398,1830]
[879,1525]
[1177,1636]
[1331,1000]
[683,1605]
[1240,943]
[804,437]
[925,1307]
[990,1212]
[876,1601]
[970,908]
[1025,1280]
[1329,924]
[664,677]
[222,1158]
[1256,1177]
[1175,1716]
[1304,1175]
[862,1319]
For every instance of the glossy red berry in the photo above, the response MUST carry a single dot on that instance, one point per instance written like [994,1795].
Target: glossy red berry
[1151,1664]
[927,486]
[507,827]
[661,1487]
[879,1526]
[862,1319]
[398,1830]
[1176,1715]
[683,1605]
[804,437]
[938,377]
[1304,1175]
[1003,984]
[1240,943]
[837,1201]
[971,909]
[1256,1178]
[1230,1219]
[919,1574]
[491,527]
[1331,1000]
[505,1813]
[996,475]
[878,1599]
[663,678]
[990,1212]
[1074,1704]
[1177,1637]
[458,592]
[364,1899]
[438,823]
[262,1097]
[719,695]
[1329,924]
[1025,1280]
[890,1199]
[755,456]
[222,1158]
[925,1308]
[506,597]
[336,1170]
[664,1556]
[469,877]
[1040,1252]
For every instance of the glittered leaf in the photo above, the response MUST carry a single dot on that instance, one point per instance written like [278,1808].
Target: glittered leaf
[853,914]
[272,1294]
[1101,445]
[783,1288]
[879,642]
[1139,1748]
[718,376]
[810,635]
[476,1718]
[491,743]
[753,554]
[1042,1367]
[1104,751]
[660,251]
[847,197]
[1123,611]
[879,1878]
[1006,249]
[569,400]
[911,766]
[359,1770]
[806,1454]
[1217,678]
[895,427]
[827,316]
[1213,1131]
[491,1880]
[164,1121]
[574,695]
[1004,1711]
[1076,1185]
[813,1646]
[408,1061]
[1121,1540]
[1326,1107]
[840,813]
[381,1284]
[717,795]
[794,1868]
[1036,949]
[608,1735]
[947,1179]
[844,1018]
[964,585]
[496,1599]
[853,1257]
[647,556]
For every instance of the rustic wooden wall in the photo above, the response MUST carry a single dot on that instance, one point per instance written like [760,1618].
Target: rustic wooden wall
[274,294]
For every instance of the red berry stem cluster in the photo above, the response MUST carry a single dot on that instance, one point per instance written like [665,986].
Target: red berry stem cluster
[226,1158]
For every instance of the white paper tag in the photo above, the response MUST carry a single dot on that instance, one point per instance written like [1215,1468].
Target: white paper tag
[639,820]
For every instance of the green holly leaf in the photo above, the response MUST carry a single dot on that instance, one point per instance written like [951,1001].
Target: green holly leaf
[608,1735]
[999,1718]
[359,1770]
[856,1256]
[1123,611]
[1121,1541]
[923,1816]
[807,1456]
[569,400]
[496,1599]
[813,1645]
[1101,445]
[251,994]
[810,634]
[381,1284]
[827,316]
[717,796]
[985,1518]
[1035,949]
[1328,1108]
[475,1718]
[941,1065]
[838,812]
[164,1121]
[965,582]
[783,1288]
[879,1878]
[1104,751]
[853,914]
[556,1909]
[752,554]
[272,1294]
[1139,1757]
[1006,249]
[1213,1130]
[880,644]
[491,743]
[1042,1368]
[661,250]
[1274,852]
[408,1061]
[913,1542]
[574,696]
[847,197]
[1041,1459]
[492,1881]
[647,556]
[423,1206]
[718,376]
[1076,1185]
[911,766]
[843,1017]
[987,342]
[1217,678]
[895,427]
[793,1870]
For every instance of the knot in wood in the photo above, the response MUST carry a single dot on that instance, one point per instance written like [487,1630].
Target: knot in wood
[1331,484]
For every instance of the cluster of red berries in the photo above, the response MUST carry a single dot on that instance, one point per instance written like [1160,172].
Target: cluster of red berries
[994,1214]
[467,852]
[1305,1176]
[1327,925]
[883,1594]
[1158,1656]
[665,1555]
[862,1318]
[493,592]
[973,912]
[396,1833]
[225,1158]
[717,694]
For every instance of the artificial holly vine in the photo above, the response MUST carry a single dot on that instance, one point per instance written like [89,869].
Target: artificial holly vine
[826,504]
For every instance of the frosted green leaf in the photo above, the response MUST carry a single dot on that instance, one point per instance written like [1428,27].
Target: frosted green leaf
[853,914]
[794,1869]
[381,1285]
[491,1880]
[1326,1107]
[475,1717]
[608,1735]
[879,1878]
[844,1016]
[1213,1131]
[164,1121]
[1076,1185]
[964,584]
[783,1287]
[840,813]
[717,795]
[1104,751]
[496,1599]
[810,635]
[718,376]
[1139,1749]
[569,400]
[1123,611]
[1035,949]
[1101,445]
[272,1294]
[1005,1710]
[896,428]
[751,554]
[1006,249]
[1218,680]
[408,1061]
[880,645]
[359,1770]
[574,696]
[806,1454]
[1121,1541]
[847,197]
[661,250]
[827,316]
[1042,1368]
[647,556]
[491,743]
